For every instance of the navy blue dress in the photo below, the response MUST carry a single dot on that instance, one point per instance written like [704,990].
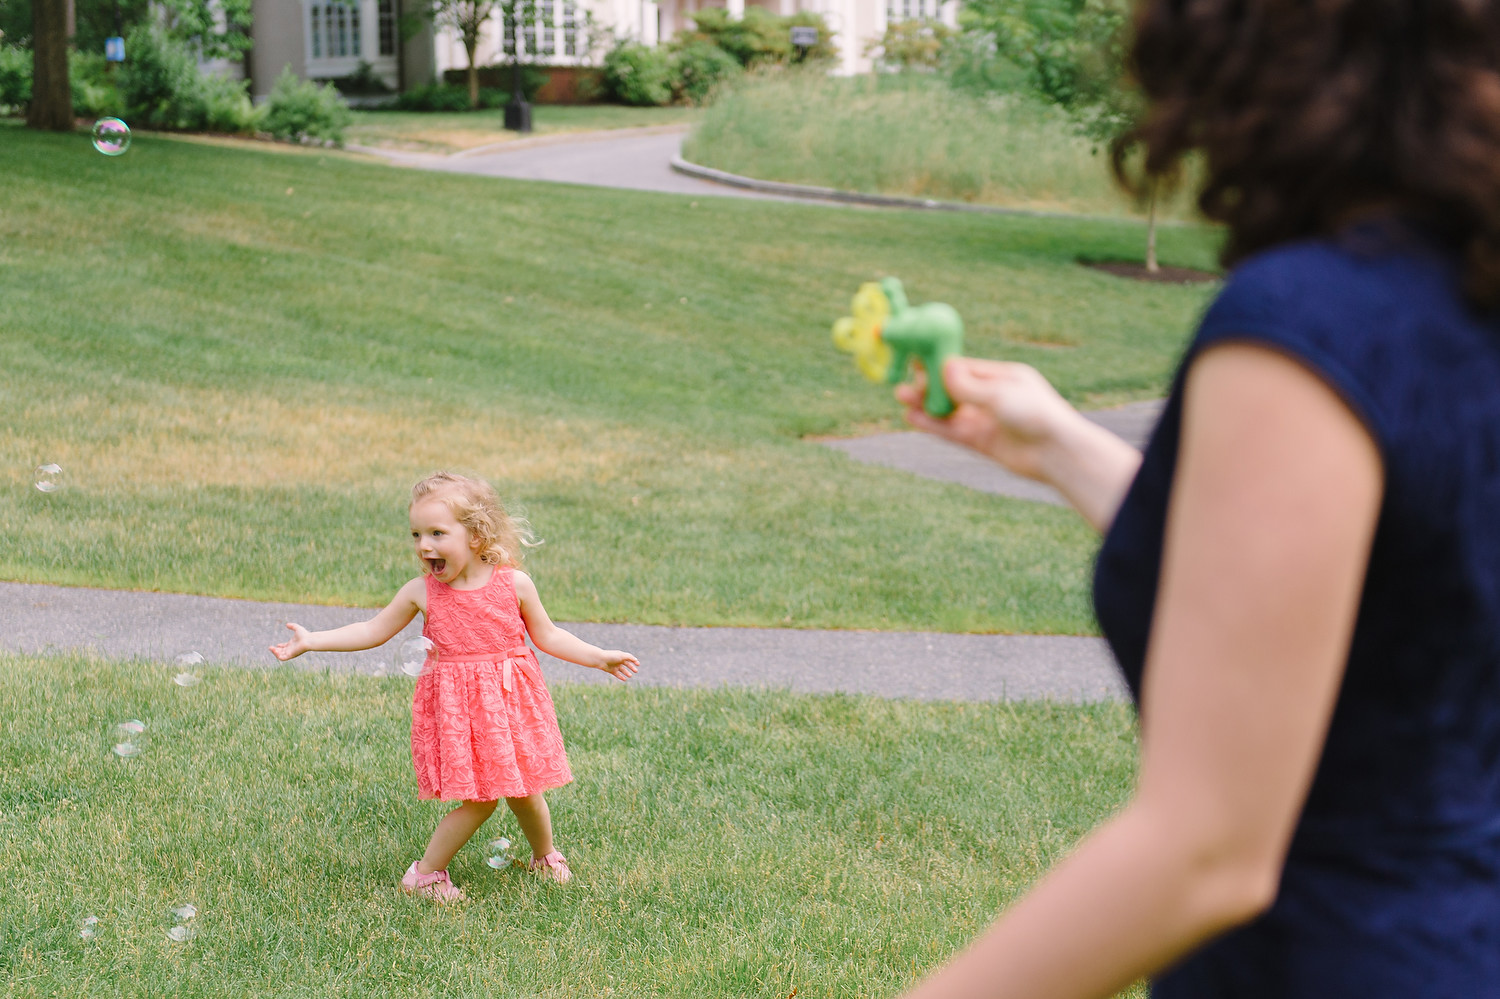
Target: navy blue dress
[1392,883]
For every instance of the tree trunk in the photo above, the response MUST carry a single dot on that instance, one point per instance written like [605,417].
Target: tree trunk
[1152,266]
[51,97]
[471,42]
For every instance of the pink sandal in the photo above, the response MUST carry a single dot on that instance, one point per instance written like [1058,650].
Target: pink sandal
[554,865]
[435,885]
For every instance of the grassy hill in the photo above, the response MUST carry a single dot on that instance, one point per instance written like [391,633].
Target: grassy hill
[243,356]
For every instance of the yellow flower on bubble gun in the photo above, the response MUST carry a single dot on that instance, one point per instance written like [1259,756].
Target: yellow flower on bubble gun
[885,335]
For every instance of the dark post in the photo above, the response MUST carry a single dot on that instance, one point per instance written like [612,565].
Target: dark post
[517,112]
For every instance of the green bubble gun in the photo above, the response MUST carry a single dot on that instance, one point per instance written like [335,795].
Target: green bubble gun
[885,335]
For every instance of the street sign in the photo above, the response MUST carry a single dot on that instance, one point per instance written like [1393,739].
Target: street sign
[804,37]
[114,49]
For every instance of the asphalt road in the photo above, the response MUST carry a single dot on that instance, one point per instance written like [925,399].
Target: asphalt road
[160,626]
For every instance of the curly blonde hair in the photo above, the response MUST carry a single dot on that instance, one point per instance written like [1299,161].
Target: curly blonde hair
[501,537]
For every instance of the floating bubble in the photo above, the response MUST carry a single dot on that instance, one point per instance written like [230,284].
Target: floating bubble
[134,726]
[411,655]
[185,912]
[127,750]
[498,863]
[88,927]
[190,659]
[187,679]
[500,845]
[180,934]
[48,478]
[111,136]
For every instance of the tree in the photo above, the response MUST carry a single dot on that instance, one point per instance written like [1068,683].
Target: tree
[468,18]
[1074,54]
[51,106]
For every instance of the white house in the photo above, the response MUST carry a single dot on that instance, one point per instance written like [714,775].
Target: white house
[323,39]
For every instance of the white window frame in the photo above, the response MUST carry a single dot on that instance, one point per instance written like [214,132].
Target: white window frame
[364,48]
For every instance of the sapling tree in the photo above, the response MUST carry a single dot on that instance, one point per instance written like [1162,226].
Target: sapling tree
[467,18]
[1073,54]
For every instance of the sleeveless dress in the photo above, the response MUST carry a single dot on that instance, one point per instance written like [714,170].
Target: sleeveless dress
[1392,884]
[482,722]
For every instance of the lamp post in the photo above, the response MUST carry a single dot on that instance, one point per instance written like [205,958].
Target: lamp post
[517,112]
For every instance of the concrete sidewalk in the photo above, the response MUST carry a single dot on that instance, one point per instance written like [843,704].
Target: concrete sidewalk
[629,158]
[925,666]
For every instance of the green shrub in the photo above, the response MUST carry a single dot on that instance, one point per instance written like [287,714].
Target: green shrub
[699,67]
[160,87]
[226,106]
[916,43]
[160,83]
[15,77]
[300,109]
[639,75]
[447,97]
[759,38]
[95,93]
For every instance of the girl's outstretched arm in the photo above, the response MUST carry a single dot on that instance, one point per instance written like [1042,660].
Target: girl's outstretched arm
[564,644]
[380,629]
[1268,535]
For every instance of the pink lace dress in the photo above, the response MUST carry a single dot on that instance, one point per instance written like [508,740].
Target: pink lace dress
[482,722]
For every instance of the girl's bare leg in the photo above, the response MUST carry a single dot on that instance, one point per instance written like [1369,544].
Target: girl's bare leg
[536,822]
[453,832]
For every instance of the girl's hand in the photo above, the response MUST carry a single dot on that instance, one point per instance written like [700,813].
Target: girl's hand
[294,646]
[620,665]
[1004,410]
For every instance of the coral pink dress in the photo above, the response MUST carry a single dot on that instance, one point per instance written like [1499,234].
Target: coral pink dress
[482,722]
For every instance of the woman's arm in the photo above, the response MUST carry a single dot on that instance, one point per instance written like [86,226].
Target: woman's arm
[1012,415]
[380,629]
[563,644]
[1268,535]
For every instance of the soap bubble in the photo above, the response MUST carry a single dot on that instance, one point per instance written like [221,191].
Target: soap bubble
[190,659]
[411,655]
[498,863]
[128,738]
[180,934]
[88,928]
[185,912]
[500,845]
[500,857]
[187,679]
[111,136]
[48,478]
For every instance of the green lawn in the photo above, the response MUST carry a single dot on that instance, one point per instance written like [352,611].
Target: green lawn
[243,358]
[440,132]
[726,844]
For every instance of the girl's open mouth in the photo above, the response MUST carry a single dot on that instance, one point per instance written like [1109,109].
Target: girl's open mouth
[437,565]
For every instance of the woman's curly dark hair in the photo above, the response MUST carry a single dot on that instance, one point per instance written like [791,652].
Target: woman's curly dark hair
[1308,110]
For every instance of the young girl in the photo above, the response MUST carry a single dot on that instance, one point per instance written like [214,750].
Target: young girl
[483,726]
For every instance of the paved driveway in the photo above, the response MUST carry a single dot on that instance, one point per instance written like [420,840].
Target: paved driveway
[635,159]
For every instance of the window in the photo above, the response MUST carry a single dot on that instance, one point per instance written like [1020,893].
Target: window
[386,13]
[570,28]
[334,29]
[548,13]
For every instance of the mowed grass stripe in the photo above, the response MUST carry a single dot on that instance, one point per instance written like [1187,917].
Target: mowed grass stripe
[241,384]
[727,843]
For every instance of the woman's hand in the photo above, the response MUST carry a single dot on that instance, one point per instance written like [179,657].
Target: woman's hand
[294,646]
[1005,411]
[1012,415]
[620,665]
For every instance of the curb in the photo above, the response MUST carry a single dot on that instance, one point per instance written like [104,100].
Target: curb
[812,193]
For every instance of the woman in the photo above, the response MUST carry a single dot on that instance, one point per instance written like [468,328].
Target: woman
[1301,577]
